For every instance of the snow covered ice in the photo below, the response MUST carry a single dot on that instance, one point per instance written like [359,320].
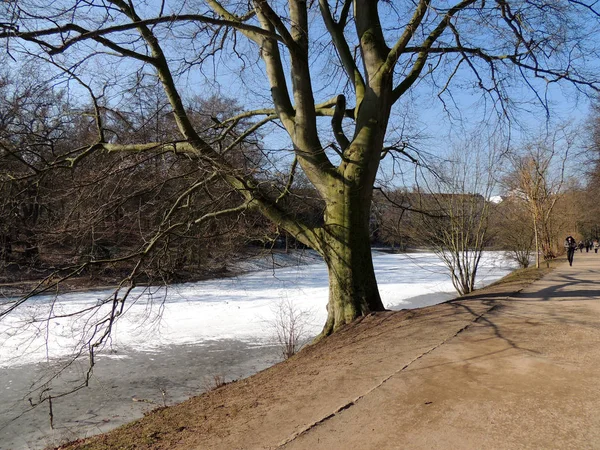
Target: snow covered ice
[240,308]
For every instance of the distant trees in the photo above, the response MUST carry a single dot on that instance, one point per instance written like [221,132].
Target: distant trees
[35,127]
[588,194]
[537,178]
[512,229]
[103,216]
[451,211]
[391,224]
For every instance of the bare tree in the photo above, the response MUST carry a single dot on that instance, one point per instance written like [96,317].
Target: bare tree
[347,61]
[456,205]
[588,189]
[104,212]
[34,128]
[291,326]
[537,177]
[512,229]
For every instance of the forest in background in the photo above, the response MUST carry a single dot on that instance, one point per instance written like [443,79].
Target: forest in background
[97,221]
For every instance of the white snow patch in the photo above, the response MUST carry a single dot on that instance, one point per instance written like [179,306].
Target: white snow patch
[239,308]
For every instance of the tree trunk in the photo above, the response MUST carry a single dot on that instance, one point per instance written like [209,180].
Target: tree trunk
[346,248]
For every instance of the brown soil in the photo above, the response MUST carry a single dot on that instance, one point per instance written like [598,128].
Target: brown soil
[280,406]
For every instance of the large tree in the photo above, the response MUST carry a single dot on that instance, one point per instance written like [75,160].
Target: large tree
[348,61]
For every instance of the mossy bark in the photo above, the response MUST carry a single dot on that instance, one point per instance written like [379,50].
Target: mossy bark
[346,248]
[353,288]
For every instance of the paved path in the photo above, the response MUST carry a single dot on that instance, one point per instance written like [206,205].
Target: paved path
[524,375]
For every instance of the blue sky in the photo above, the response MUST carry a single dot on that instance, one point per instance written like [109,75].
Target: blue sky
[420,113]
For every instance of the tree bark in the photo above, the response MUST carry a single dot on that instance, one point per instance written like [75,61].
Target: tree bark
[346,248]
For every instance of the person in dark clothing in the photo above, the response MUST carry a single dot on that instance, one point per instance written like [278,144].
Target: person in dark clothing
[570,245]
[580,246]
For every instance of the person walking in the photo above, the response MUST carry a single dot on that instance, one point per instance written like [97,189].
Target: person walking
[580,246]
[570,245]
[596,245]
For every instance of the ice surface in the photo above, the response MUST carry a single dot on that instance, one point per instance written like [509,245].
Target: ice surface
[241,308]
